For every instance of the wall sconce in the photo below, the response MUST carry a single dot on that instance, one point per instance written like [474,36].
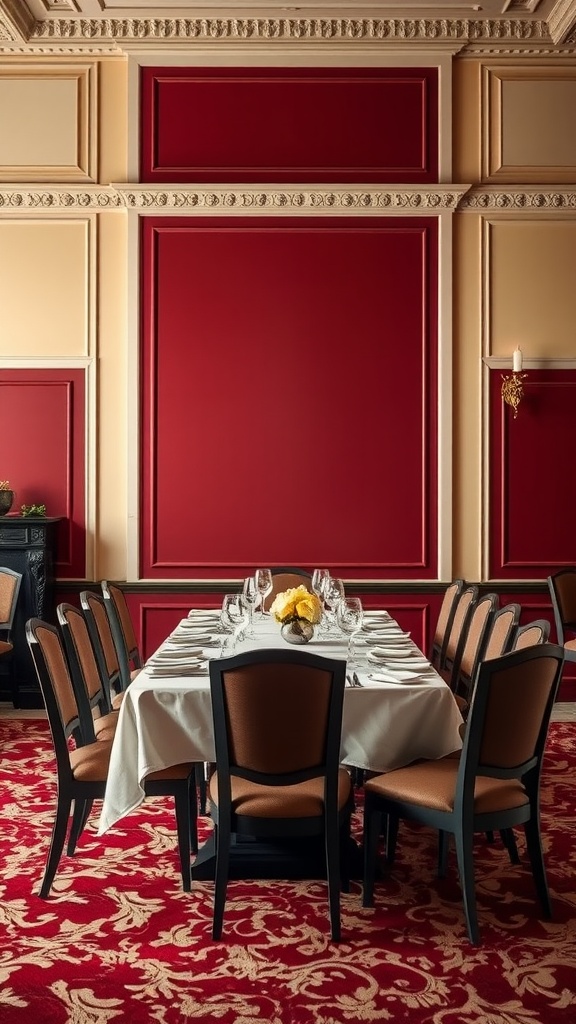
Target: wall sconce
[512,386]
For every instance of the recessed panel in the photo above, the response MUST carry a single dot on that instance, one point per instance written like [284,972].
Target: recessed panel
[43,453]
[48,118]
[532,491]
[289,124]
[289,397]
[530,128]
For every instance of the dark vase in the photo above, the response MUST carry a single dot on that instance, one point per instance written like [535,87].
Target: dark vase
[6,499]
[297,631]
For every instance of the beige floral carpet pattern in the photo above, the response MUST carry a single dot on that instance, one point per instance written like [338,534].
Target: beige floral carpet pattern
[119,941]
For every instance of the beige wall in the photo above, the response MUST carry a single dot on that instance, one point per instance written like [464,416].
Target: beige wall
[64,276]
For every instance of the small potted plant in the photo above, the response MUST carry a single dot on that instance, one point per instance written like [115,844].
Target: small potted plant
[6,497]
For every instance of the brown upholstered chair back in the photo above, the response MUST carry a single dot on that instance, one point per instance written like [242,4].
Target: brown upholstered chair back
[9,589]
[444,621]
[502,631]
[268,730]
[91,688]
[464,607]
[532,633]
[50,660]
[516,708]
[93,605]
[277,713]
[562,588]
[285,579]
[123,612]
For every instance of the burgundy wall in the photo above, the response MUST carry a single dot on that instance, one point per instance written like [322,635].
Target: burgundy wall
[532,487]
[43,453]
[289,396]
[289,124]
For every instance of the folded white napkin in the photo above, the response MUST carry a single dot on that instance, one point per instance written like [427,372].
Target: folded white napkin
[382,652]
[418,664]
[402,678]
[174,671]
[184,639]
[180,654]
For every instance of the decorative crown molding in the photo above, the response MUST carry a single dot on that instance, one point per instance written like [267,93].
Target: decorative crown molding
[106,34]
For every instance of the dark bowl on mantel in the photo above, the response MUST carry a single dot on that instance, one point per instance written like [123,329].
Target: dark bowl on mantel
[6,501]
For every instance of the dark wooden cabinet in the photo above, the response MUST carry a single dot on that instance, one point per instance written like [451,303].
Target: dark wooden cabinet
[28,545]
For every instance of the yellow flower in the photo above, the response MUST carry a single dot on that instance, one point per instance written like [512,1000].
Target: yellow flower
[296,603]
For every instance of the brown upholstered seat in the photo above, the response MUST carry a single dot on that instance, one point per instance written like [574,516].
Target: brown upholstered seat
[493,785]
[277,727]
[82,772]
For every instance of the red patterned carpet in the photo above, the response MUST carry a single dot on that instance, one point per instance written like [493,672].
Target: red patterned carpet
[119,941]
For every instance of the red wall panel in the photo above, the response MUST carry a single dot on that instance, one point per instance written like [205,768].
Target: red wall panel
[289,124]
[532,487]
[43,452]
[289,396]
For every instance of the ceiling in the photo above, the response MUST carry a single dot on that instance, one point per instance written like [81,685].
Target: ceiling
[32,25]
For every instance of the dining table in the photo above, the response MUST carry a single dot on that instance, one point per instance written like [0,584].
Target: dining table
[396,709]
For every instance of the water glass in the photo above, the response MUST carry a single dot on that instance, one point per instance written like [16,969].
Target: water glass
[263,579]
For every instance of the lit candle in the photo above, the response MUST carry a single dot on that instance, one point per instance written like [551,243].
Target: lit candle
[517,360]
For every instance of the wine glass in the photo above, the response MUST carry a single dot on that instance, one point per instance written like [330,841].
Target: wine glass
[319,579]
[234,617]
[333,593]
[263,579]
[250,593]
[349,614]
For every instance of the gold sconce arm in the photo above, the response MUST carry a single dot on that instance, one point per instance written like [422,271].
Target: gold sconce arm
[513,390]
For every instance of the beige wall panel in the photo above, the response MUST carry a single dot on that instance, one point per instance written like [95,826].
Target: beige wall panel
[467,446]
[529,117]
[466,135]
[113,149]
[111,426]
[44,288]
[49,123]
[530,271]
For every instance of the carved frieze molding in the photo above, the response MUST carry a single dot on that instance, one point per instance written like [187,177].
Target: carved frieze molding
[15,198]
[520,199]
[306,199]
[291,199]
[116,35]
[225,199]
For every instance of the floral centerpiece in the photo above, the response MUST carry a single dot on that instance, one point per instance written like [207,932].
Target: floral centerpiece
[298,611]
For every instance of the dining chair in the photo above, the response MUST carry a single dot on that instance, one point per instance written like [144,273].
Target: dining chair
[82,772]
[502,631]
[470,649]
[277,726]
[100,631]
[127,650]
[10,582]
[493,785]
[464,607]
[535,632]
[284,578]
[444,622]
[562,588]
[97,719]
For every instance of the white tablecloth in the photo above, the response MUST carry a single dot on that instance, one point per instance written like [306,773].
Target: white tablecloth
[168,720]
